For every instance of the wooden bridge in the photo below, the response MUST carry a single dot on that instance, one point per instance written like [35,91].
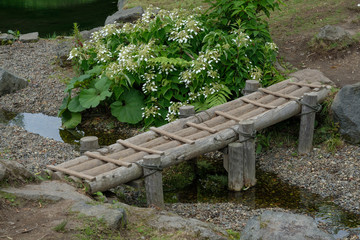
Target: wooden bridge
[187,138]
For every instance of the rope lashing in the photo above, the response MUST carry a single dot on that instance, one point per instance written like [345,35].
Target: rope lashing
[316,108]
[150,167]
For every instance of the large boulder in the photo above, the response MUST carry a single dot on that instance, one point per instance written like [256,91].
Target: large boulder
[332,33]
[346,112]
[10,83]
[282,226]
[120,4]
[125,15]
[86,34]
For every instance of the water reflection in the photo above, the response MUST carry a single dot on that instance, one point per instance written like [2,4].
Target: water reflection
[53,16]
[42,4]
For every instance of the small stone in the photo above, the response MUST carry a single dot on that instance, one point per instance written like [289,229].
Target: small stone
[29,37]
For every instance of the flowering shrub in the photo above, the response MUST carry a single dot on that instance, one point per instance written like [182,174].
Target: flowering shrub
[145,71]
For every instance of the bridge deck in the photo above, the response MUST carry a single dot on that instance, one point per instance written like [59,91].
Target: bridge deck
[187,138]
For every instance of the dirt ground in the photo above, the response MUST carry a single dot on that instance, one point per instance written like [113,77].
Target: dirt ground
[342,66]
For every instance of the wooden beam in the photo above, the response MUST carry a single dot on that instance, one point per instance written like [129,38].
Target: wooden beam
[228,116]
[138,148]
[202,127]
[171,135]
[107,159]
[278,94]
[71,172]
[257,104]
[306,85]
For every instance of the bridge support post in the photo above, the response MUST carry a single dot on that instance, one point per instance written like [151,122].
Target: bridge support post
[186,111]
[307,122]
[241,157]
[153,181]
[250,87]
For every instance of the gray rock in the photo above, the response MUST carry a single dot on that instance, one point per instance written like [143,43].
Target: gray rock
[15,171]
[311,74]
[4,37]
[200,229]
[62,52]
[120,4]
[2,172]
[114,217]
[29,37]
[87,33]
[283,226]
[332,33]
[10,83]
[126,15]
[346,112]
[48,190]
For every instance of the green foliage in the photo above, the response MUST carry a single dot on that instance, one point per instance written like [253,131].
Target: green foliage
[61,226]
[145,71]
[16,33]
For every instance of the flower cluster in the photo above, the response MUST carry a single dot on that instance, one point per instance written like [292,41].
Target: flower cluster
[173,111]
[152,111]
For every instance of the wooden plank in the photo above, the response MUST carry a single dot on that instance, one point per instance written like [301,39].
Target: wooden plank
[307,85]
[138,148]
[107,159]
[228,116]
[278,94]
[71,172]
[202,127]
[257,104]
[171,135]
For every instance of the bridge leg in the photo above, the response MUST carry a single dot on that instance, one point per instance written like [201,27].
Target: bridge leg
[235,167]
[307,123]
[153,181]
[89,143]
[247,138]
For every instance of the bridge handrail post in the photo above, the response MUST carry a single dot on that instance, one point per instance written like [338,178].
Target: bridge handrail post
[153,181]
[250,87]
[307,122]
[186,111]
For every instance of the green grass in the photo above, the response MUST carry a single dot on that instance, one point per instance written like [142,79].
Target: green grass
[308,16]
[165,4]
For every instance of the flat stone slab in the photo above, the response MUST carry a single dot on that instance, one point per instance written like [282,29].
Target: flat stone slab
[48,190]
[283,226]
[29,37]
[10,83]
[4,37]
[114,217]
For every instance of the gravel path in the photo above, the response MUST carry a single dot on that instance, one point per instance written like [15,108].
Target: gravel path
[336,175]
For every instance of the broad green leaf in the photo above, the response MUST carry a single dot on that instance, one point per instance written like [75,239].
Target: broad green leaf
[97,70]
[75,106]
[92,97]
[128,107]
[76,81]
[118,90]
[64,105]
[103,84]
[70,119]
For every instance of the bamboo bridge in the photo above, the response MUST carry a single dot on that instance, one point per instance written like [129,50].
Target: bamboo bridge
[187,138]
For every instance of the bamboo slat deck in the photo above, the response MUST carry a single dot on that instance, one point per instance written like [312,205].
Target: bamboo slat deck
[187,138]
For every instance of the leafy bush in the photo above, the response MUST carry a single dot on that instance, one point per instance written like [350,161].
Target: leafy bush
[145,71]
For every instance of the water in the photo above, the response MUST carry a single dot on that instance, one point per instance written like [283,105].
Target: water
[50,127]
[53,16]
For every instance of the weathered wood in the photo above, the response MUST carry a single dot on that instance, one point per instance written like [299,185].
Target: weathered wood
[153,181]
[70,172]
[226,115]
[171,135]
[257,104]
[307,123]
[278,94]
[91,163]
[107,159]
[251,86]
[247,151]
[74,162]
[89,143]
[236,167]
[138,148]
[202,127]
[186,111]
[306,85]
